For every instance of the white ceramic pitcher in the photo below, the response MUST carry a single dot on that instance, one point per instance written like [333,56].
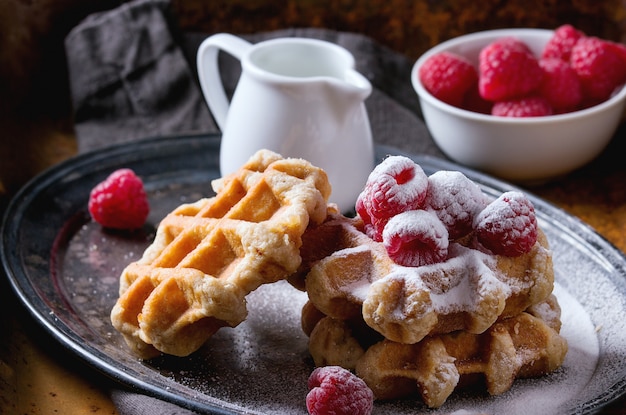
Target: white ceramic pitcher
[298,97]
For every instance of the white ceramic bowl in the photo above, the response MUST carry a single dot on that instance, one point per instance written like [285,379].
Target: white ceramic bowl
[517,149]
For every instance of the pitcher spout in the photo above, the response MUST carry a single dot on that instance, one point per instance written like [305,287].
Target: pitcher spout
[343,96]
[360,85]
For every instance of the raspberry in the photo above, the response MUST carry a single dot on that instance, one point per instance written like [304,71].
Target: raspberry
[619,49]
[507,226]
[395,185]
[560,85]
[373,226]
[561,43]
[475,103]
[507,70]
[599,66]
[455,200]
[120,201]
[335,390]
[534,106]
[415,238]
[448,77]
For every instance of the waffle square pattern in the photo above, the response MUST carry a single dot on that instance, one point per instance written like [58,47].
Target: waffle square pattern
[209,255]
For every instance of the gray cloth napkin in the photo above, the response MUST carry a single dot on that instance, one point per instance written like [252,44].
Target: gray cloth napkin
[129,78]
[133,76]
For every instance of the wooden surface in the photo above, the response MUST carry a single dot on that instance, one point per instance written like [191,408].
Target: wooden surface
[39,377]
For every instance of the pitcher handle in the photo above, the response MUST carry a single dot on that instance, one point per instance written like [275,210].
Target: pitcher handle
[209,73]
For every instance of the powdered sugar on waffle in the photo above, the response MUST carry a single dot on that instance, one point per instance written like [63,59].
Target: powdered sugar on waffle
[458,295]
[359,288]
[466,283]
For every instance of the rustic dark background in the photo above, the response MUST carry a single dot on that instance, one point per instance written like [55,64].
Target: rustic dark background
[35,108]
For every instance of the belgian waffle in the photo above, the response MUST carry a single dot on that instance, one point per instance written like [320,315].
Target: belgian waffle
[350,274]
[523,346]
[208,255]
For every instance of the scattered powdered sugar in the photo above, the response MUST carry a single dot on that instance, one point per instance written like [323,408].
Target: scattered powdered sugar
[546,395]
[579,331]
[261,366]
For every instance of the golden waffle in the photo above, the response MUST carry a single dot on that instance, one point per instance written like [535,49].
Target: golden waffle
[522,346]
[207,256]
[350,274]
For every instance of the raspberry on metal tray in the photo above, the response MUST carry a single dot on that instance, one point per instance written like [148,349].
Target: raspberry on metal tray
[335,390]
[120,201]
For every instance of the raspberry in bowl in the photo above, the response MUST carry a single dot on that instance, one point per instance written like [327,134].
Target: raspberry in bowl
[548,121]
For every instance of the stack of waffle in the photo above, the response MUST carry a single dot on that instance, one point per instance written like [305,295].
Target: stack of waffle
[432,329]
